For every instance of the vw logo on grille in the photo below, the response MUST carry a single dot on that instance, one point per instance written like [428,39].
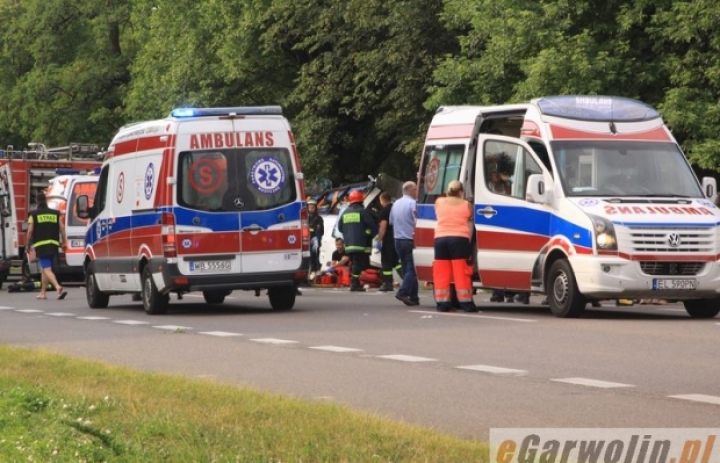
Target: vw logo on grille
[673,240]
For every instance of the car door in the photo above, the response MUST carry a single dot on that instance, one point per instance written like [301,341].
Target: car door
[510,230]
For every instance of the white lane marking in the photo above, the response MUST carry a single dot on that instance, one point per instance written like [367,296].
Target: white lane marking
[222,334]
[489,317]
[406,358]
[336,349]
[274,341]
[173,327]
[29,310]
[4,307]
[708,399]
[61,314]
[591,382]
[94,318]
[131,322]
[673,310]
[494,370]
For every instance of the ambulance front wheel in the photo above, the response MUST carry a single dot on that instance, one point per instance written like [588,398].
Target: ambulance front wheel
[282,297]
[154,303]
[563,296]
[702,308]
[96,299]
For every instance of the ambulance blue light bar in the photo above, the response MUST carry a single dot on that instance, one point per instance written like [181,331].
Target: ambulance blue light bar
[236,111]
[596,108]
[65,171]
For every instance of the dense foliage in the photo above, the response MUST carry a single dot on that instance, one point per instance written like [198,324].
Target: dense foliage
[359,79]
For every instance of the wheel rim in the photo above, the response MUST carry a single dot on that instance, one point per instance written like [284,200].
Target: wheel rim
[561,288]
[146,292]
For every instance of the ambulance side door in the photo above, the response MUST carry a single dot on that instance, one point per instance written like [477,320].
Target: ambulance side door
[510,230]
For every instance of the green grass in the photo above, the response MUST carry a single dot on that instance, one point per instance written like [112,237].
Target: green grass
[58,409]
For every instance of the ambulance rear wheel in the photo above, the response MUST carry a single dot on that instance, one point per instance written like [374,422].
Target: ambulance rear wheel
[282,297]
[154,303]
[702,308]
[214,297]
[563,296]
[96,299]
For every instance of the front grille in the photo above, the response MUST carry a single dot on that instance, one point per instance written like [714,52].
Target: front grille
[672,240]
[671,268]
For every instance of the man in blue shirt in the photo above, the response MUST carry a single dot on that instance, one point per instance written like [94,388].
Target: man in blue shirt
[402,218]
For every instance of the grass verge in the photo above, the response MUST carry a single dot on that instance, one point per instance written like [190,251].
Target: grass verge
[58,409]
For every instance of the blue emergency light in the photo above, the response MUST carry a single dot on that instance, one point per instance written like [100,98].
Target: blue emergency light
[65,171]
[597,108]
[237,111]
[96,171]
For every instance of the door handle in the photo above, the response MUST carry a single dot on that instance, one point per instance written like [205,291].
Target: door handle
[488,212]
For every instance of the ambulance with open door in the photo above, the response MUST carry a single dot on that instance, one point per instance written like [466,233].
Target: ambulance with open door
[208,199]
[581,198]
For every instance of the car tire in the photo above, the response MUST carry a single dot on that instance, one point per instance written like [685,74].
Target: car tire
[154,303]
[282,297]
[96,299]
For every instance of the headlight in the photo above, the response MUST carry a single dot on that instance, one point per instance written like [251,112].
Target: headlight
[605,238]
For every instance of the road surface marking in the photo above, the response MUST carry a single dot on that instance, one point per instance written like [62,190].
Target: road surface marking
[406,358]
[94,318]
[29,310]
[708,399]
[469,315]
[61,314]
[4,307]
[494,370]
[673,310]
[336,349]
[173,327]
[222,334]
[591,382]
[274,341]
[131,322]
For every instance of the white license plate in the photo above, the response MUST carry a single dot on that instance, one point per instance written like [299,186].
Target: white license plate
[674,284]
[77,243]
[210,266]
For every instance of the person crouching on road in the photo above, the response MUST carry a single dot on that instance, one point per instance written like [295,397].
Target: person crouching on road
[453,249]
[47,233]
[358,228]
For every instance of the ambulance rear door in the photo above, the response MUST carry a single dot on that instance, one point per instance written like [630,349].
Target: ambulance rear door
[238,199]
[511,231]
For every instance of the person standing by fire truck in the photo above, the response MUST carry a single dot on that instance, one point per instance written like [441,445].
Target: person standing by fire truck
[46,232]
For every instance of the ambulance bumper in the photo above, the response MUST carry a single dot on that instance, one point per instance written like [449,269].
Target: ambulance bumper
[612,277]
[169,279]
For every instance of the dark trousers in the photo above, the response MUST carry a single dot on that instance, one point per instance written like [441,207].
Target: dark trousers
[360,261]
[389,260]
[409,286]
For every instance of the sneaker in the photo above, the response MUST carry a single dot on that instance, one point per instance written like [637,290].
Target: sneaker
[522,298]
[385,288]
[496,299]
[406,300]
[358,289]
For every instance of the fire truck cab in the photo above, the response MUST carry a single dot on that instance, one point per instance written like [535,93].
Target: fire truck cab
[581,198]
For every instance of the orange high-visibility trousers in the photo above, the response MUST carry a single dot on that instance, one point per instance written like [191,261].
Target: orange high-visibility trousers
[442,275]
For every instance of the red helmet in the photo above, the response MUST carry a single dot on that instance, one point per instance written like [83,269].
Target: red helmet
[355,196]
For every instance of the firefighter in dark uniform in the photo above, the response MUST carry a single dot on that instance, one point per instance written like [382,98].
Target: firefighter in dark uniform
[46,232]
[386,243]
[358,228]
[317,230]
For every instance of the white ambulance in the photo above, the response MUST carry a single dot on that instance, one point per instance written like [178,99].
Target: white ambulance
[208,199]
[581,198]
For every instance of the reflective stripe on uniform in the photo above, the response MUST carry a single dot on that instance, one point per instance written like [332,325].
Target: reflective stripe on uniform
[46,242]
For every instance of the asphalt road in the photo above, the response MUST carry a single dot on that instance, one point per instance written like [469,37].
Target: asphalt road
[508,366]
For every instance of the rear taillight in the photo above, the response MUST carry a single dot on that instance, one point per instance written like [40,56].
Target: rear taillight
[167,220]
[305,229]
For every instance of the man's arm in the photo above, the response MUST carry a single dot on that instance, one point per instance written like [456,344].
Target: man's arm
[62,234]
[31,229]
[382,230]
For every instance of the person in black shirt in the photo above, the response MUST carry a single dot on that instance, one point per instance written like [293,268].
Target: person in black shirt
[46,232]
[317,230]
[386,243]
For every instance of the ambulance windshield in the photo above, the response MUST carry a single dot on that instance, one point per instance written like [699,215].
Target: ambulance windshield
[235,180]
[624,168]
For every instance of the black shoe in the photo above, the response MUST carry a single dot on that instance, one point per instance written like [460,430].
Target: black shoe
[522,298]
[496,299]
[385,288]
[358,289]
[406,300]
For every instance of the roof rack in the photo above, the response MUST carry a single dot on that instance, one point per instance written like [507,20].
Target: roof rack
[72,151]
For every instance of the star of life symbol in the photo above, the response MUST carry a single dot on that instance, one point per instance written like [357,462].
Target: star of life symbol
[267,175]
[149,176]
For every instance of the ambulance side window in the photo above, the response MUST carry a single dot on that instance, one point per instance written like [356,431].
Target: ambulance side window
[441,164]
[101,193]
[508,167]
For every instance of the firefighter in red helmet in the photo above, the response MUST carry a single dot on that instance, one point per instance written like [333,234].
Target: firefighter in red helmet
[358,228]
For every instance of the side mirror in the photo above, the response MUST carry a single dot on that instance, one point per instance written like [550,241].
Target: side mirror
[709,187]
[82,209]
[5,212]
[536,192]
